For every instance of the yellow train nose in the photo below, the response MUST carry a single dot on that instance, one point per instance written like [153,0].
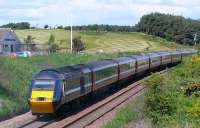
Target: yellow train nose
[42,102]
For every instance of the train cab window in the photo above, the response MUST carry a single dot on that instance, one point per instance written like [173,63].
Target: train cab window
[44,85]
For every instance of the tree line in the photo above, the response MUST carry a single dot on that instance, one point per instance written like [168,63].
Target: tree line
[173,28]
[102,27]
[20,25]
[94,27]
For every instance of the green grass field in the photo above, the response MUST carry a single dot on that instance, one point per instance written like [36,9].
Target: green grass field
[107,41]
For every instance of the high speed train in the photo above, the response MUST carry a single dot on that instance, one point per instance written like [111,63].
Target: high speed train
[52,88]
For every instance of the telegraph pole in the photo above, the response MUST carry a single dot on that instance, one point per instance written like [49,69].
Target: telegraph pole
[71,34]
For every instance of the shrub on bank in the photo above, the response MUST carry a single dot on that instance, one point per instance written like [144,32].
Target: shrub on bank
[166,101]
[158,101]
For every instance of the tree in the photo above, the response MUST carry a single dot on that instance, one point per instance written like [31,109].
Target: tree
[20,25]
[51,39]
[52,46]
[78,45]
[46,26]
[60,27]
[29,41]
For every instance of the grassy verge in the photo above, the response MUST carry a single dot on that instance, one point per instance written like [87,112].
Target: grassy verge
[123,117]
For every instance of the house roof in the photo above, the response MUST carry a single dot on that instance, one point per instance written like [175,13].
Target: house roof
[4,31]
[7,31]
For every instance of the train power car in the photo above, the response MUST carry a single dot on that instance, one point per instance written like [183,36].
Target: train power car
[52,88]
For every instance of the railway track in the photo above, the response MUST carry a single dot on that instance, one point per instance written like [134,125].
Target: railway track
[89,115]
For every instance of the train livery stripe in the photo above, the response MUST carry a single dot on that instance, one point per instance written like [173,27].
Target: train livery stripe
[38,93]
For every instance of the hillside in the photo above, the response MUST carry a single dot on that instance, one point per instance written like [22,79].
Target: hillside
[106,41]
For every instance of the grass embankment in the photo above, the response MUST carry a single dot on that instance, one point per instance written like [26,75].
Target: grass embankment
[127,114]
[107,41]
[15,75]
[172,101]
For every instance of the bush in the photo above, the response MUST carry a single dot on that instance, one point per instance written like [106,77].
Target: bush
[196,109]
[158,102]
[78,45]
[173,100]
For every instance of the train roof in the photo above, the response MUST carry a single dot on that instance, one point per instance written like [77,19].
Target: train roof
[63,72]
[191,51]
[153,54]
[48,74]
[123,60]
[101,64]
[140,57]
[175,52]
[164,53]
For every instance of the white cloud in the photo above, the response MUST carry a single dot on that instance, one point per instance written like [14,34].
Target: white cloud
[92,11]
[186,3]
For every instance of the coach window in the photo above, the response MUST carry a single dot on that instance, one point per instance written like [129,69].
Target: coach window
[143,62]
[125,67]
[72,83]
[75,82]
[155,59]
[102,74]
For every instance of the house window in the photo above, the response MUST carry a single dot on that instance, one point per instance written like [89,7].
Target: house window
[5,48]
[10,40]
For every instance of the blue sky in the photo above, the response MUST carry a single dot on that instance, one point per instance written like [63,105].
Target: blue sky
[119,12]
